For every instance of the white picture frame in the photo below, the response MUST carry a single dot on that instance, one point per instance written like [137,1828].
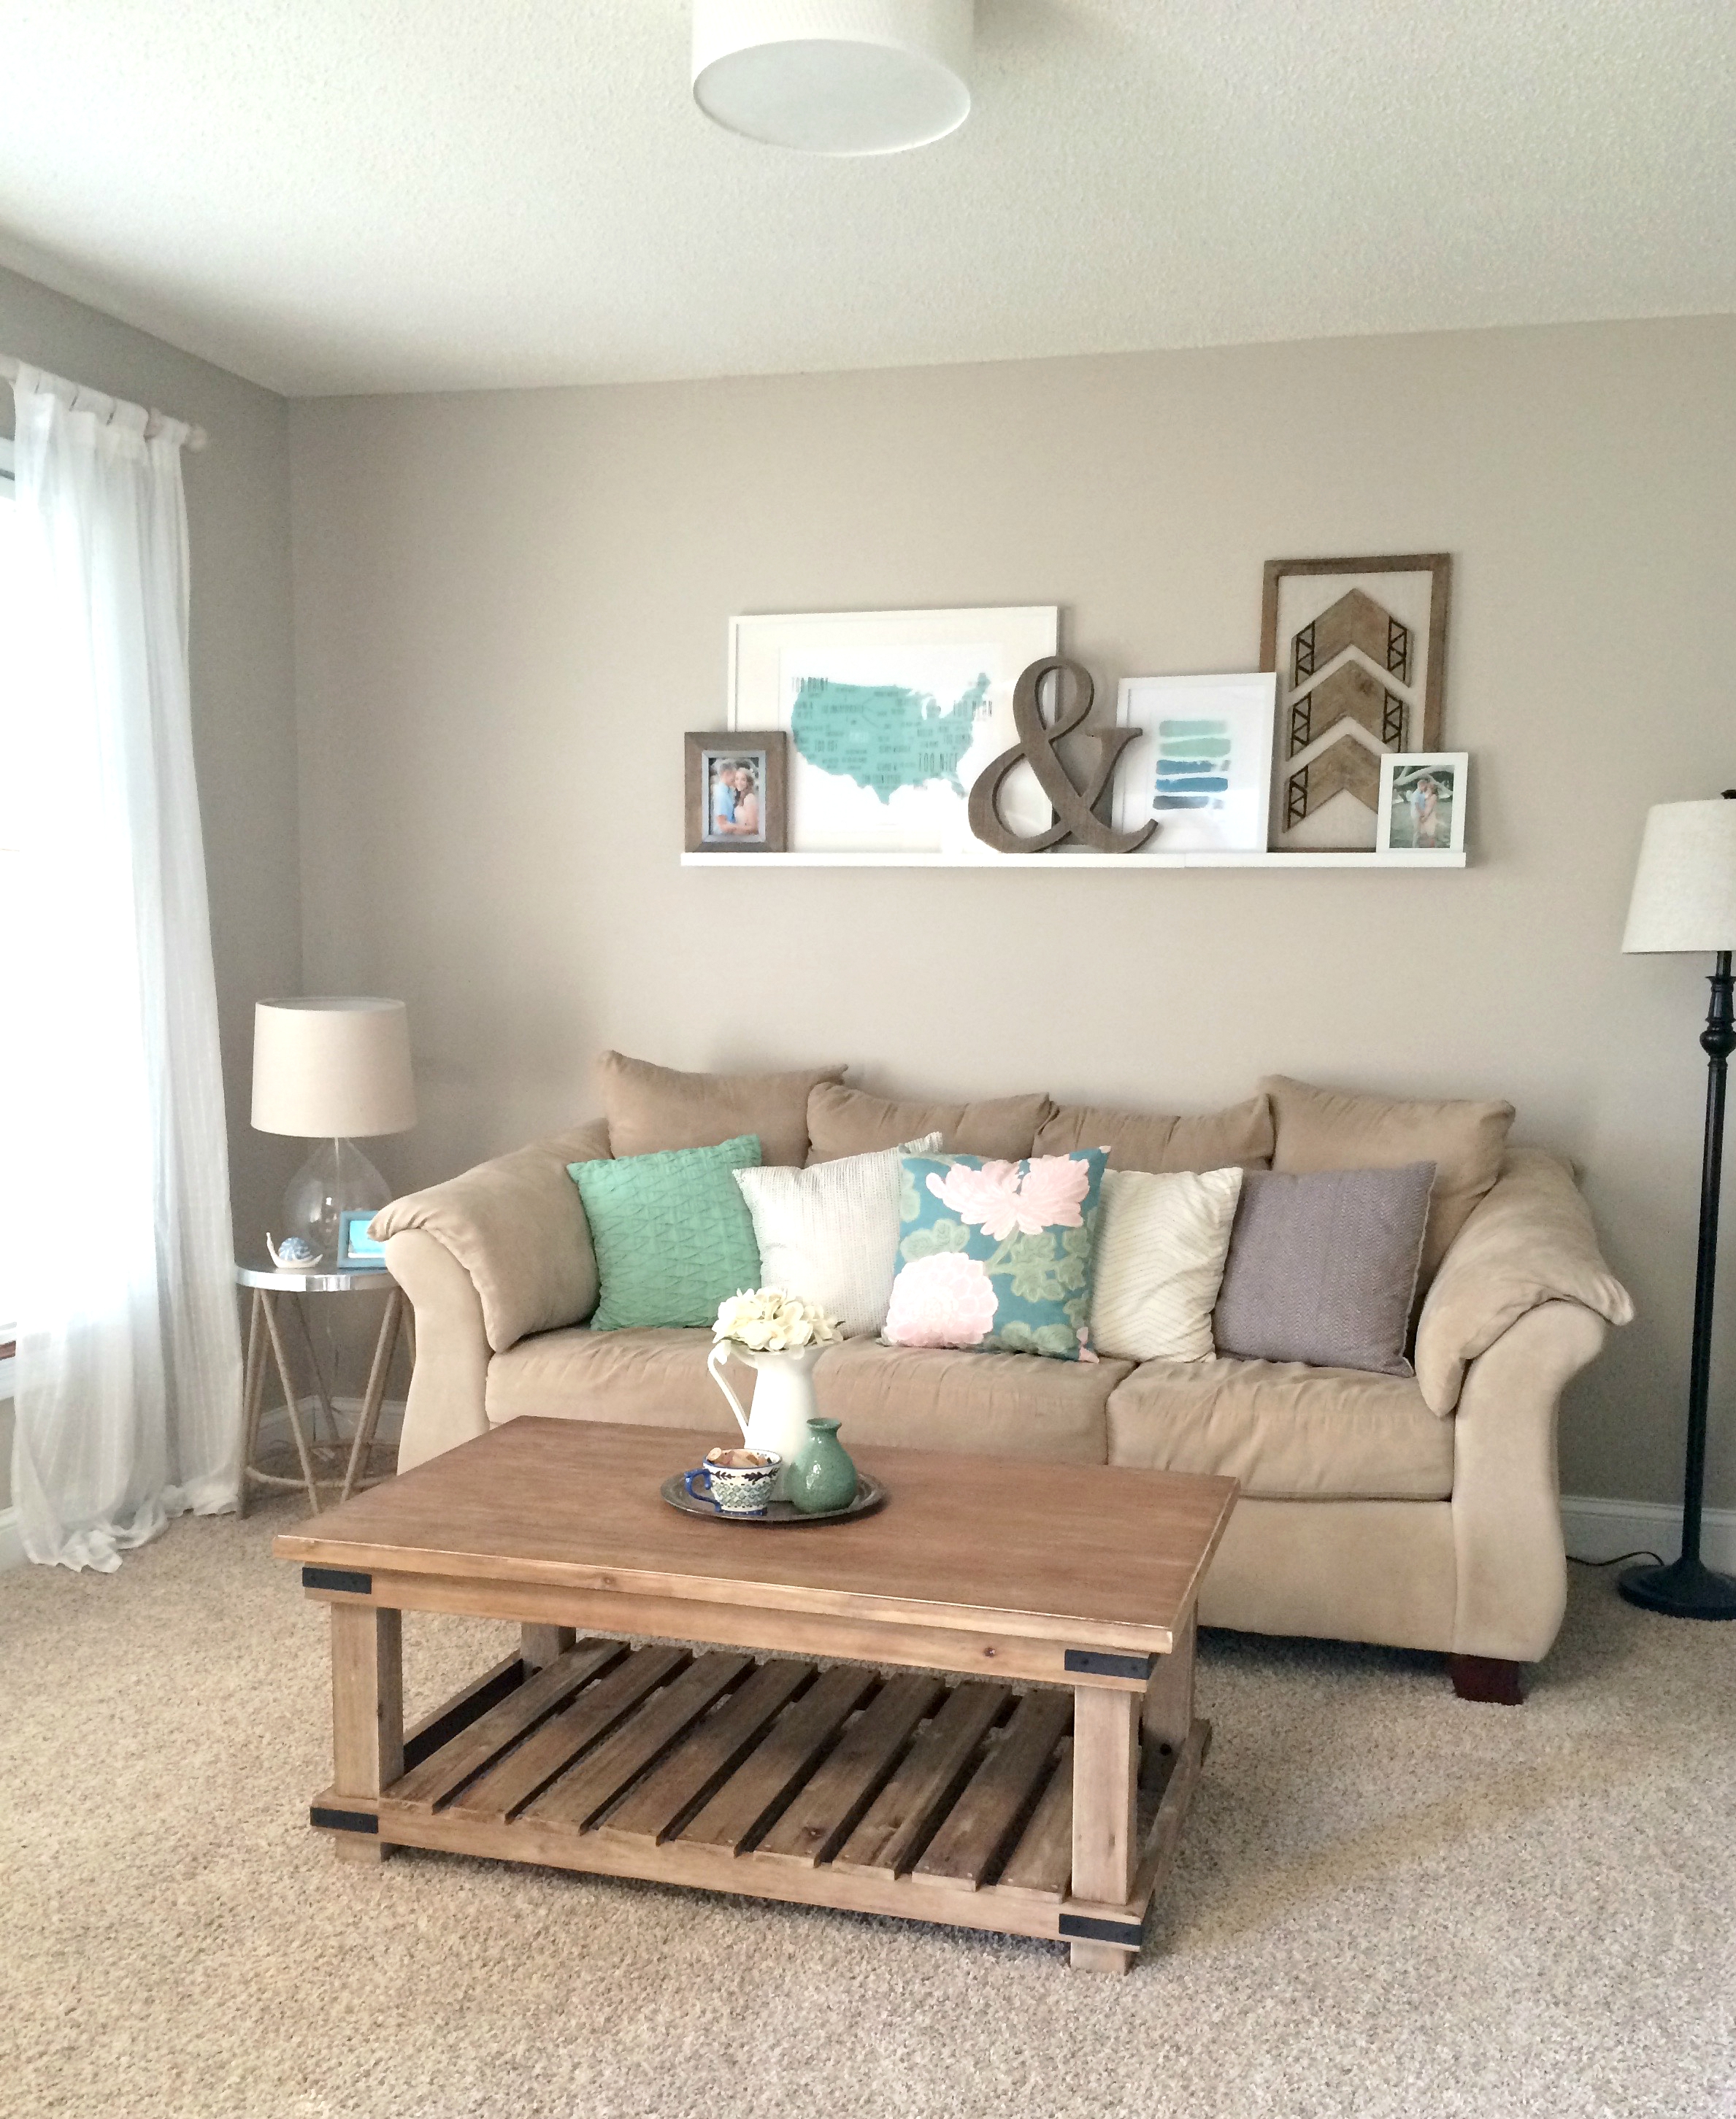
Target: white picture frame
[1202,763]
[1400,824]
[891,774]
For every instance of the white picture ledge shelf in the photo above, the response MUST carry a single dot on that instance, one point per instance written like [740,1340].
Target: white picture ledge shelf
[1132,863]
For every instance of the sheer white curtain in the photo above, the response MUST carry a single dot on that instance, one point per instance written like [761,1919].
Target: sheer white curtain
[128,1372]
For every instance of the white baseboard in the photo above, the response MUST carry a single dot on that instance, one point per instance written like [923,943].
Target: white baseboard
[11,1543]
[1597,1529]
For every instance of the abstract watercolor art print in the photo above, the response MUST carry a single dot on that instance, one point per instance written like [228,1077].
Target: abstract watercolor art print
[1202,765]
[891,715]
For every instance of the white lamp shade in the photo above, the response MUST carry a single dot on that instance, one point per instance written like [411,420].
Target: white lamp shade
[1684,889]
[834,76]
[333,1067]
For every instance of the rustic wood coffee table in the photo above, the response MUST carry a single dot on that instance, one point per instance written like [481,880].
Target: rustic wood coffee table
[1014,1793]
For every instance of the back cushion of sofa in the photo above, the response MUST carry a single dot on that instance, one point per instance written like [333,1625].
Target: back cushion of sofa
[650,1109]
[1335,1129]
[844,1121]
[1240,1133]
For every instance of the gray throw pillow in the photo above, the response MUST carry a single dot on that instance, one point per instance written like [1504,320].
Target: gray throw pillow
[1323,1269]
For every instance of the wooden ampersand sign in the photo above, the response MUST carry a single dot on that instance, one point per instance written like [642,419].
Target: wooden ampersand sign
[1075,808]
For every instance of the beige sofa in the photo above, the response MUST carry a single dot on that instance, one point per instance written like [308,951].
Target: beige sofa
[1419,1512]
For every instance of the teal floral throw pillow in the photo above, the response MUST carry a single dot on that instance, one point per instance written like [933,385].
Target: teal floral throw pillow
[997,1255]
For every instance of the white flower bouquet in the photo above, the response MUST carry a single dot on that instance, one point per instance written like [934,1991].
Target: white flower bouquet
[765,1321]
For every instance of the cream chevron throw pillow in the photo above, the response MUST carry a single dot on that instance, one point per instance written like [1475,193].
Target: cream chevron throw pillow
[1162,1241]
[829,1232]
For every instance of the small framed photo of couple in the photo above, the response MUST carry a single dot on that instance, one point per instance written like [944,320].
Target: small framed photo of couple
[736,791]
[1423,802]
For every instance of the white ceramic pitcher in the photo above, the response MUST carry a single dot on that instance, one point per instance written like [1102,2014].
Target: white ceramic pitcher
[783,1399]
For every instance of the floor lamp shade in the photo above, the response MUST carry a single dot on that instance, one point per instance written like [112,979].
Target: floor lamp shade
[1684,889]
[335,1069]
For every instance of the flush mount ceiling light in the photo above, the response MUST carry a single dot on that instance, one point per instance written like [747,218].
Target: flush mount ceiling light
[834,76]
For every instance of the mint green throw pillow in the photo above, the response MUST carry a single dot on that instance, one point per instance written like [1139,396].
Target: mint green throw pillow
[672,1233]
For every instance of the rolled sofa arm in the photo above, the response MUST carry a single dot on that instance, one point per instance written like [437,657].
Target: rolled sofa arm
[445,1405]
[517,1227]
[1529,1242]
[1510,1564]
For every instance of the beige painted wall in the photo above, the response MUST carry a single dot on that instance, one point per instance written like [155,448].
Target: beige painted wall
[509,608]
[243,683]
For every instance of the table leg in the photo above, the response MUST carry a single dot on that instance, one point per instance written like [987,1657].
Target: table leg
[540,1645]
[1106,1756]
[321,1389]
[292,1410]
[252,1397]
[367,1714]
[384,1347]
[1168,1714]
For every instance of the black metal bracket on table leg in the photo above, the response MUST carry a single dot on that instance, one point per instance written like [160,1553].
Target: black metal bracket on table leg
[344,1820]
[1092,1663]
[1080,1927]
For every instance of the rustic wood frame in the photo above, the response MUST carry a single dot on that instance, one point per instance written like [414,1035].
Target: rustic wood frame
[773,744]
[1439,565]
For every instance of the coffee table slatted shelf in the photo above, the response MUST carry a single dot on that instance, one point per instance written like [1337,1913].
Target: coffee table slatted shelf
[906,1794]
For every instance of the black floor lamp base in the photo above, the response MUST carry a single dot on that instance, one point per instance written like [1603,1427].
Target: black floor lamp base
[1685,1589]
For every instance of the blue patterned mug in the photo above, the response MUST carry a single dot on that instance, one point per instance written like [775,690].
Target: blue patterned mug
[737,1482]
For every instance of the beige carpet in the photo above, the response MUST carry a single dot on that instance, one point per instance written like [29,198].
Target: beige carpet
[1387,1903]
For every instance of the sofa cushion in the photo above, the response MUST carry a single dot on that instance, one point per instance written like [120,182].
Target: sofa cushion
[999,1405]
[996,1254]
[647,1379]
[844,1121]
[830,1233]
[672,1233]
[1334,1129]
[1286,1431]
[1323,1269]
[1240,1133]
[651,1108]
[1161,1240]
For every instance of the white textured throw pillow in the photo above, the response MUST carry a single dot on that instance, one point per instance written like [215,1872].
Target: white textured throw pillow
[1161,1240]
[829,1233]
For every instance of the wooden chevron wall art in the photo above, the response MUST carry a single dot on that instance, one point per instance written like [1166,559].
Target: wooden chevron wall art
[1358,647]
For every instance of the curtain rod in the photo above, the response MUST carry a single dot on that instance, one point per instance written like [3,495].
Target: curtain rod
[196,437]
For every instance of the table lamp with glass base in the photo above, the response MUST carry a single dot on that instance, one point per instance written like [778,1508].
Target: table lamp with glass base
[336,1180]
[330,1069]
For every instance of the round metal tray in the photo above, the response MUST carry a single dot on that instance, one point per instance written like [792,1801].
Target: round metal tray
[869,1493]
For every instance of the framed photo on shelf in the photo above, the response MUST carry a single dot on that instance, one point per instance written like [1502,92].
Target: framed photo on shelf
[1358,647]
[736,791]
[1423,802]
[1202,763]
[890,717]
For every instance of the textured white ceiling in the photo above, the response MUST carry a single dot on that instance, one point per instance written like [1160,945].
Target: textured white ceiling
[364,195]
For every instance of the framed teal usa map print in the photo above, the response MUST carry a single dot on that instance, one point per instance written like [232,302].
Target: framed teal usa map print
[890,716]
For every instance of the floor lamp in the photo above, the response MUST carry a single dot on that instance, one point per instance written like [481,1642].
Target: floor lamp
[1684,899]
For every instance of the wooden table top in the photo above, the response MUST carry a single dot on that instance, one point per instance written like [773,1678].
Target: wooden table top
[1094,1555]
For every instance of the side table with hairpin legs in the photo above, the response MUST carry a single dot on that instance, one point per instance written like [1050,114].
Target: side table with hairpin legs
[325,1459]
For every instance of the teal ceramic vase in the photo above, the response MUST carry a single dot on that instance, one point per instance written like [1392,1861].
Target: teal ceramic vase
[822,1477]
